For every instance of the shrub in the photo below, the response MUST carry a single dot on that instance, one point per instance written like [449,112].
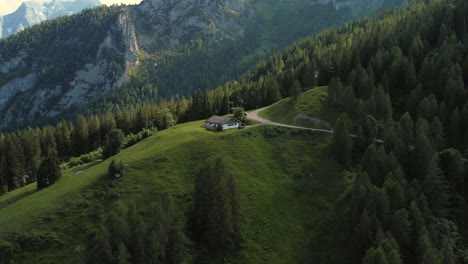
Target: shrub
[85,159]
[36,239]
[116,169]
[270,131]
[7,249]
[132,139]
[3,189]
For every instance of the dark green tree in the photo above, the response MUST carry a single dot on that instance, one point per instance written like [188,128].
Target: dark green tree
[342,143]
[81,136]
[123,256]
[116,169]
[114,143]
[49,171]
[239,114]
[216,212]
[401,227]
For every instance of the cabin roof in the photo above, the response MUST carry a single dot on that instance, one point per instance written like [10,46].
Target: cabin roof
[220,120]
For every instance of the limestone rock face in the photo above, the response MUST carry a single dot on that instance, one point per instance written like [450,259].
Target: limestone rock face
[21,100]
[176,21]
[153,27]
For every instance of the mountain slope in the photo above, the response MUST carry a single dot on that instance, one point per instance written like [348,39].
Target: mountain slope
[393,78]
[31,13]
[174,49]
[284,219]
[34,63]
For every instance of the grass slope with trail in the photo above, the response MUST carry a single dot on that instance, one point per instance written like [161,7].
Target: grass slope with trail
[288,191]
[308,106]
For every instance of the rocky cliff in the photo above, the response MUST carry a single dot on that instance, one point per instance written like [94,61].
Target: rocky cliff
[74,61]
[170,23]
[26,95]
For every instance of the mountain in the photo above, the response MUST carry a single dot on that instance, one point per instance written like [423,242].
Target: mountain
[32,13]
[167,48]
[385,185]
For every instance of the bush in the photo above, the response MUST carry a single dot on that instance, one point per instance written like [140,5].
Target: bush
[85,159]
[36,239]
[7,249]
[132,139]
[3,189]
[116,169]
[271,131]
[239,114]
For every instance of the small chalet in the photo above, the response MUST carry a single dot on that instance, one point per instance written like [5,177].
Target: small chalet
[218,122]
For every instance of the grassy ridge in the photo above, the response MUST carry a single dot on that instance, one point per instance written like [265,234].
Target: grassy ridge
[311,102]
[288,191]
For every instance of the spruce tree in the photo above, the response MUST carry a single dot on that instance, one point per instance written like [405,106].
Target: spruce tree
[49,171]
[123,256]
[216,212]
[114,143]
[342,143]
[3,175]
[401,227]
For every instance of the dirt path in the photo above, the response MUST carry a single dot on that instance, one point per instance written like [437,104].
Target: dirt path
[254,116]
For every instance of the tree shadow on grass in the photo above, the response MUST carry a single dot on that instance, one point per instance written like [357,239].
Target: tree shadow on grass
[16,198]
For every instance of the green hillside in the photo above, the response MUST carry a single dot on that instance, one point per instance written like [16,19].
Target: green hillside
[310,103]
[288,191]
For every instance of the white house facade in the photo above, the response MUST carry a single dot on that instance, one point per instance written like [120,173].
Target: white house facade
[226,123]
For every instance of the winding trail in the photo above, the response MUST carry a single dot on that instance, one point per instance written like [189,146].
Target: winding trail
[254,116]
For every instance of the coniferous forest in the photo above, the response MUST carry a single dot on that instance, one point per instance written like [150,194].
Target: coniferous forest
[399,83]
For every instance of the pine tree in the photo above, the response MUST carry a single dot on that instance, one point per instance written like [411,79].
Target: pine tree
[295,91]
[454,136]
[32,153]
[14,162]
[114,143]
[424,156]
[216,213]
[437,134]
[342,143]
[395,193]
[123,256]
[375,256]
[3,175]
[452,166]
[363,233]
[370,127]
[81,136]
[406,129]
[427,252]
[401,227]
[49,171]
[101,250]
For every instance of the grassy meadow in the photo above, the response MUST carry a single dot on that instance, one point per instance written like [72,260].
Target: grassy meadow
[289,189]
[310,102]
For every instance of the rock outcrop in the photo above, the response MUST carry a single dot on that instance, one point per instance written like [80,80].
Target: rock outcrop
[21,100]
[176,21]
[154,27]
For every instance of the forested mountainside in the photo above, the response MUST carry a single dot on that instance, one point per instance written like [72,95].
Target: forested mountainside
[31,12]
[52,70]
[399,82]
